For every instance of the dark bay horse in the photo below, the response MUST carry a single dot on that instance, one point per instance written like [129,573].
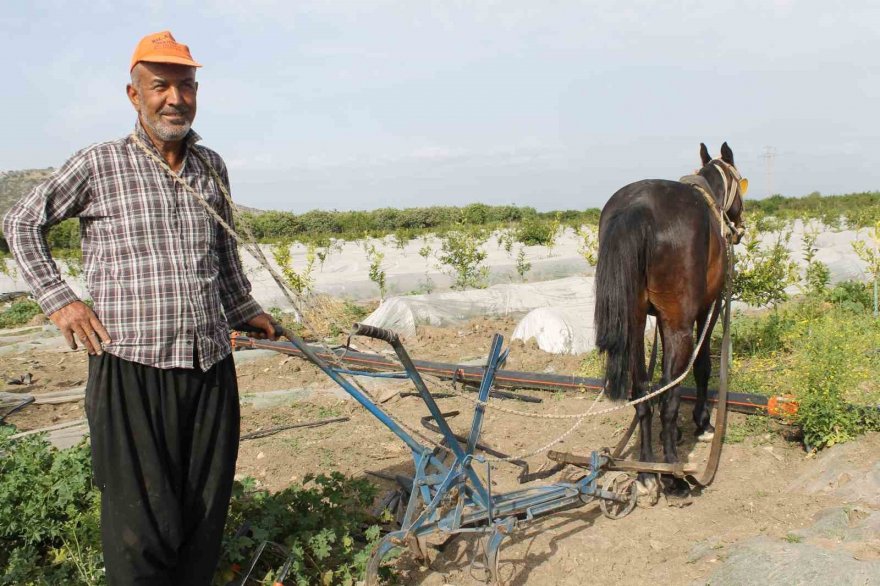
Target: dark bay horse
[663,252]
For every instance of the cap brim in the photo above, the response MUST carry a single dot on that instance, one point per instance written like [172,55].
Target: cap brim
[170,60]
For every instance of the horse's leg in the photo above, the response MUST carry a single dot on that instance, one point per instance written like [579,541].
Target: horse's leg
[644,411]
[702,371]
[678,345]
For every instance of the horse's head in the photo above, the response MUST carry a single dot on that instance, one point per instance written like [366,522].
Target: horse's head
[728,185]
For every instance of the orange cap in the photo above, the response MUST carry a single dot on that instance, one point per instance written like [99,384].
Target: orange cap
[162,48]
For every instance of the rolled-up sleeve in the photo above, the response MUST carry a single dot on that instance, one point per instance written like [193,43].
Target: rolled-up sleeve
[61,196]
[235,288]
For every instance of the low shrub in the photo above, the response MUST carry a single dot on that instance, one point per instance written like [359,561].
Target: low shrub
[821,351]
[851,295]
[536,232]
[323,523]
[50,514]
[19,313]
[461,252]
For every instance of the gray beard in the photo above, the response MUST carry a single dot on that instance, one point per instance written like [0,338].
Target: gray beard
[167,132]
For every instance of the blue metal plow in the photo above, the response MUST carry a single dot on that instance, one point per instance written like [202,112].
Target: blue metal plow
[449,497]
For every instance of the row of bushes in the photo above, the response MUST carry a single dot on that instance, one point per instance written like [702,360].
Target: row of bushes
[318,225]
[856,210]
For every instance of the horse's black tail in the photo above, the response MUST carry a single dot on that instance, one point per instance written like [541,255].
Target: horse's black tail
[626,241]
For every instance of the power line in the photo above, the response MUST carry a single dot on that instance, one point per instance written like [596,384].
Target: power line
[769,156]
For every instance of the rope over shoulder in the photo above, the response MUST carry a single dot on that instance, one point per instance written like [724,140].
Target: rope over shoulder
[725,226]
[250,244]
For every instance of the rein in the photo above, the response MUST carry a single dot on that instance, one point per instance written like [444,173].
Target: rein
[729,230]
[729,191]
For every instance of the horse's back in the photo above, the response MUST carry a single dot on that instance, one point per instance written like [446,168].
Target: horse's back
[678,219]
[668,202]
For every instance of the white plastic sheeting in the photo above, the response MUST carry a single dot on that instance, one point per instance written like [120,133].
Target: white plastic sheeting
[563,330]
[557,314]
[559,330]
[403,314]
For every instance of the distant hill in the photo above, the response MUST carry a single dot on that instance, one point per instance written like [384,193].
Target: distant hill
[15,184]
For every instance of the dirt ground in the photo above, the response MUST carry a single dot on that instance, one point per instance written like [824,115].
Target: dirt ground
[663,544]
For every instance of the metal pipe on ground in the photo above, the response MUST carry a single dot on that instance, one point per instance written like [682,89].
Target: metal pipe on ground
[740,402]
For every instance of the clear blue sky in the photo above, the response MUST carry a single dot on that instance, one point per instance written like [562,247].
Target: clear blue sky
[341,105]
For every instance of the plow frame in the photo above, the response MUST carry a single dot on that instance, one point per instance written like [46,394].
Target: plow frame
[450,498]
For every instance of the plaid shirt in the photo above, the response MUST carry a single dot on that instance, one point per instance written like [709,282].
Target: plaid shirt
[163,274]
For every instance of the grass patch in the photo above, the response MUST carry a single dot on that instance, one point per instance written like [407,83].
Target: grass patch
[325,317]
[19,313]
[753,425]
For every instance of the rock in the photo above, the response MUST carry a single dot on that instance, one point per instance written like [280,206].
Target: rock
[833,523]
[842,546]
[866,529]
[704,548]
[842,473]
[762,560]
[387,395]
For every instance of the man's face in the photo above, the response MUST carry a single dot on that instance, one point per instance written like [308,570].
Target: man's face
[164,96]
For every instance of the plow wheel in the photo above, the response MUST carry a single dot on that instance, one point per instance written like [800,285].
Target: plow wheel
[623,486]
[585,498]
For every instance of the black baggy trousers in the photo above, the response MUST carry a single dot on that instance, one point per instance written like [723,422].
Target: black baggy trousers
[164,445]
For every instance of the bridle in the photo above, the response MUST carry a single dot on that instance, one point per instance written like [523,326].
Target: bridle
[733,187]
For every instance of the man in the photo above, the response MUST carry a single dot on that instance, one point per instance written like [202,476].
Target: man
[167,283]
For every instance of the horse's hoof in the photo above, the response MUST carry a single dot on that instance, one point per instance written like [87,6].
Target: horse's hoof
[677,488]
[705,433]
[648,489]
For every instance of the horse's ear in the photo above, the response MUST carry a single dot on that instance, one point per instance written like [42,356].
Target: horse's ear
[726,154]
[704,154]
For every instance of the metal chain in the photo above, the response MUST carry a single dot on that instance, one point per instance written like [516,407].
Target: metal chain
[559,439]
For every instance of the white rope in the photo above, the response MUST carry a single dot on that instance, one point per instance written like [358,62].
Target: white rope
[559,439]
[607,410]
[253,248]
[250,244]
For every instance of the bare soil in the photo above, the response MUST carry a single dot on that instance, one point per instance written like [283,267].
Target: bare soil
[663,544]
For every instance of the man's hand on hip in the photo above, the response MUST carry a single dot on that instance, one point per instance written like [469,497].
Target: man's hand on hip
[77,321]
[265,323]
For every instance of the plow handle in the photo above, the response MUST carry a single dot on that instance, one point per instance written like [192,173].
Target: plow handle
[249,329]
[374,332]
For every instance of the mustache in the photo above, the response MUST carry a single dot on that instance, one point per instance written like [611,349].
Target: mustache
[174,110]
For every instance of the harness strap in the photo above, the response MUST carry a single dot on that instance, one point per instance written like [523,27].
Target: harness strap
[701,185]
[731,190]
